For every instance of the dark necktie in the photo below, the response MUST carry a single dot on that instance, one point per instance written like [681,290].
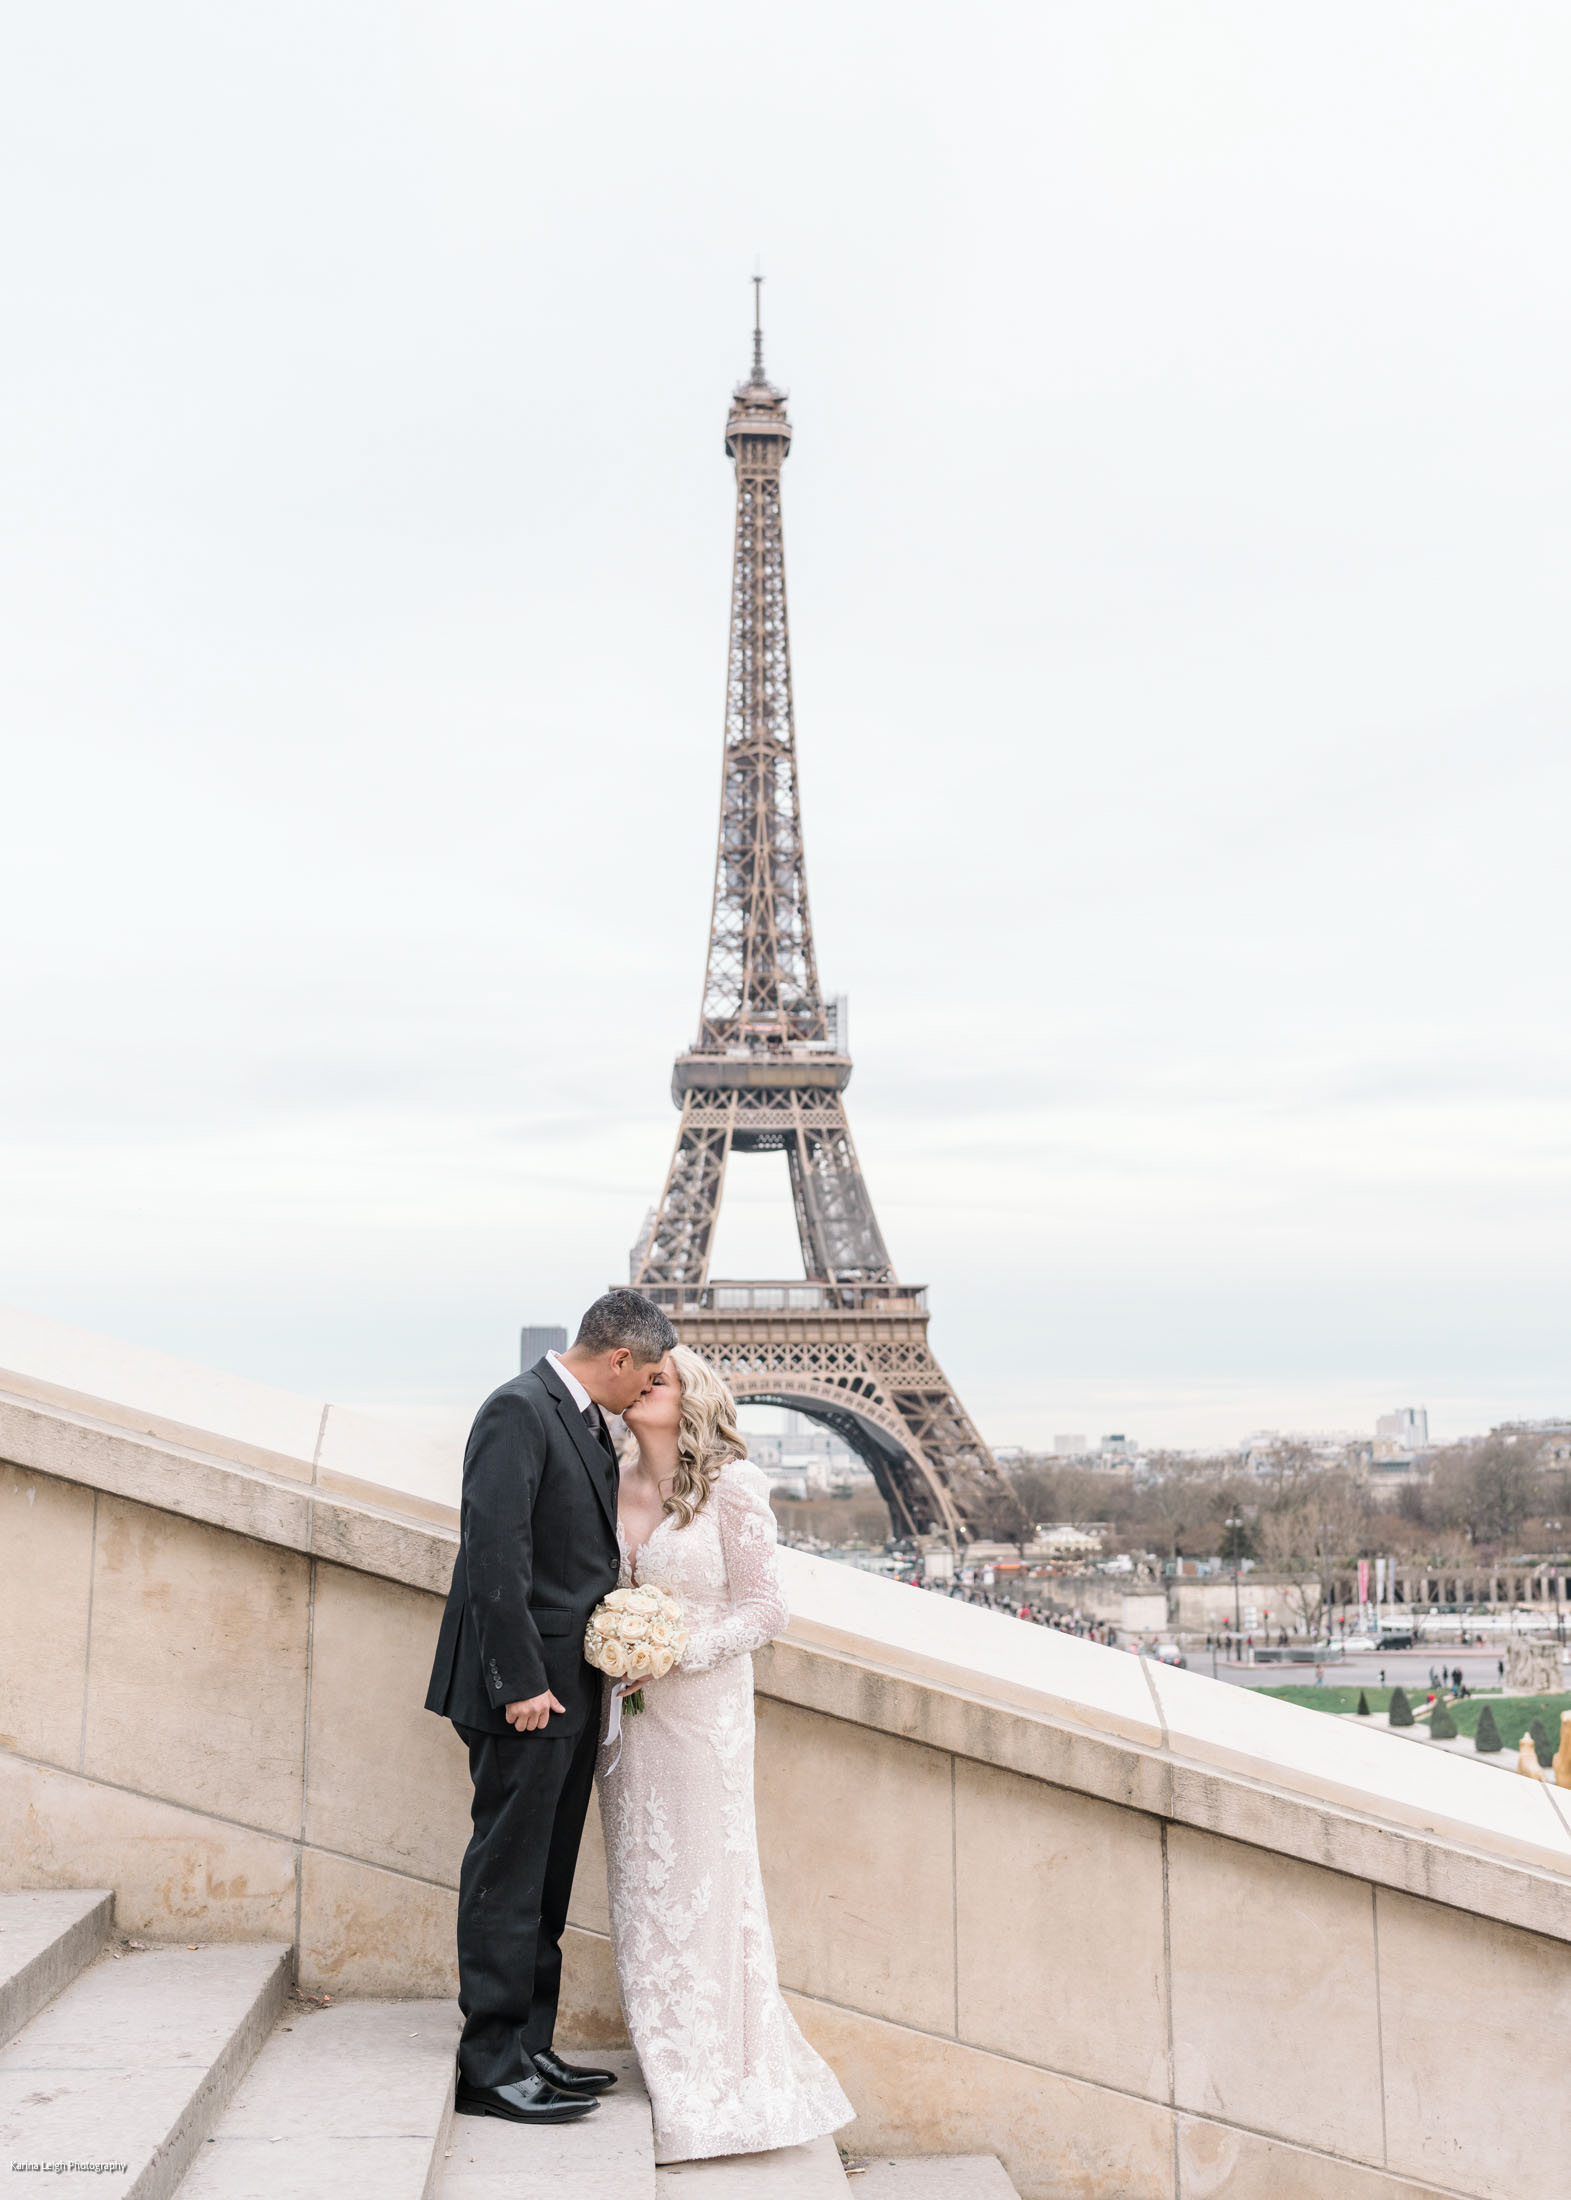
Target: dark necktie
[594,1421]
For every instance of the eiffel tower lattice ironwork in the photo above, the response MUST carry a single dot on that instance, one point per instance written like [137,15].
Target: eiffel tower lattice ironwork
[847,1344]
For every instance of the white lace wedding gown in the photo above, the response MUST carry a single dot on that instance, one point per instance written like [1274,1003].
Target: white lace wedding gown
[727,2070]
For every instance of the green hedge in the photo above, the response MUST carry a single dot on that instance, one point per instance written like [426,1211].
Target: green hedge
[1513,1715]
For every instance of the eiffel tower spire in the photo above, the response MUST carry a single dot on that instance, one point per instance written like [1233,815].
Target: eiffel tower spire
[847,1344]
[761,985]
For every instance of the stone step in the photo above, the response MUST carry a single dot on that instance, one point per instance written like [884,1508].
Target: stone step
[931,2177]
[46,1937]
[131,2064]
[355,2101]
[810,2172]
[609,2155]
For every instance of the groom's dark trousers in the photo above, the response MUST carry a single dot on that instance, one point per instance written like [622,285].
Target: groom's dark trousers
[537,1552]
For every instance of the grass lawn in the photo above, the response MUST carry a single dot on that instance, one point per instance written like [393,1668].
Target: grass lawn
[1513,1714]
[1334,1698]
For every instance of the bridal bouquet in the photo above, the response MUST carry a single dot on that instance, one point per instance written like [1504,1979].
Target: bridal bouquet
[636,1635]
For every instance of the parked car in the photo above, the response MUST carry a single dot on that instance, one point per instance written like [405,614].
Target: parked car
[1359,1642]
[1168,1653]
[1395,1639]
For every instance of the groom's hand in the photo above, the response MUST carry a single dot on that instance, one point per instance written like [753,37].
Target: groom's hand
[531,1712]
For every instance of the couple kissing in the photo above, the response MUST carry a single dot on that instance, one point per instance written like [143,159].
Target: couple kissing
[551,1525]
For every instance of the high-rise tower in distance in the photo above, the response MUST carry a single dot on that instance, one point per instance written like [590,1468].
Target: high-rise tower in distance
[846,1343]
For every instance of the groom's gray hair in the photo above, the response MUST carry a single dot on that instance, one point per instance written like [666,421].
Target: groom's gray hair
[625,1320]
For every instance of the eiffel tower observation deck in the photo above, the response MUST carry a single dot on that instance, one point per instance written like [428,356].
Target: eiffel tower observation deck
[845,1344]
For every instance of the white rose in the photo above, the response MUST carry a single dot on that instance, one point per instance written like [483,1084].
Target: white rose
[634,1627]
[619,1599]
[661,1631]
[638,1665]
[660,1661]
[612,1659]
[680,1644]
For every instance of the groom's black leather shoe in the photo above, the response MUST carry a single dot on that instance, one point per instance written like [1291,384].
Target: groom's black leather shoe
[530,2099]
[563,2075]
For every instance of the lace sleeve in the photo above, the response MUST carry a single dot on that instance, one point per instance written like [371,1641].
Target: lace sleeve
[747,1537]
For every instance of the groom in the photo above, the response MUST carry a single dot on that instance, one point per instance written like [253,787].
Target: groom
[537,1551]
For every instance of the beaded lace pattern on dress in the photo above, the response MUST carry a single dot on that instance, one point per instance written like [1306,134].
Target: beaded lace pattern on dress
[728,2071]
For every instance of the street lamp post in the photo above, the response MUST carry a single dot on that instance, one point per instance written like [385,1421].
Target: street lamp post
[1554,1527]
[1235,1523]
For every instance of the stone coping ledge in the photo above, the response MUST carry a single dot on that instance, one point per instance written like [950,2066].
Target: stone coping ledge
[336,1516]
[222,1415]
[967,1679]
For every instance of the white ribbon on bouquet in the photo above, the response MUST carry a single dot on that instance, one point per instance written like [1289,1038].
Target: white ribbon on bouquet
[613,1732]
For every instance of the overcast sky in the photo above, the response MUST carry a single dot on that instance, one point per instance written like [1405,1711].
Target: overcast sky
[1178,537]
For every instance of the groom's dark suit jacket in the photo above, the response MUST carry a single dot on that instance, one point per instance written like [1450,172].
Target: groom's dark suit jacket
[537,1551]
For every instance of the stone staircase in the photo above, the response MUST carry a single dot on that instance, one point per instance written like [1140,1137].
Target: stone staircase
[154,2070]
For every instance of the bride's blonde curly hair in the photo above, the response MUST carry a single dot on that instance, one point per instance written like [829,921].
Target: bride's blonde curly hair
[707,1435]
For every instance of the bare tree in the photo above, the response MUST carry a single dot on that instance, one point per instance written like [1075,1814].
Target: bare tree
[1320,1525]
[1289,1469]
[1488,1488]
[1286,1539]
[1179,1496]
[1504,1488]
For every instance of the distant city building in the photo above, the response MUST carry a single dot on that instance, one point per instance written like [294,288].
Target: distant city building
[1556,1430]
[804,1460]
[1399,1455]
[536,1339]
[1070,1447]
[1062,1539]
[1261,1453]
[1408,1428]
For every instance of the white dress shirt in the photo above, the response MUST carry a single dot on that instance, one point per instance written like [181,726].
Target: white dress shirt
[575,1389]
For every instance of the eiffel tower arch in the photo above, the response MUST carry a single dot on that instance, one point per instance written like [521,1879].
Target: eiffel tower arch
[847,1343]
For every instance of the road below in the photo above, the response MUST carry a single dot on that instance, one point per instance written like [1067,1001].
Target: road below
[1407,1669]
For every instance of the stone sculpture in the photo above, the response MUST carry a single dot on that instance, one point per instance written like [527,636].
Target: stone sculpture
[1527,1759]
[1563,1753]
[1532,1666]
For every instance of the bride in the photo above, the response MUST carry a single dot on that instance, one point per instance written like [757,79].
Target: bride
[727,2070]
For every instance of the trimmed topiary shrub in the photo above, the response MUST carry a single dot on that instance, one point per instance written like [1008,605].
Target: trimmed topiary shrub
[1401,1712]
[1441,1724]
[1543,1747]
[1486,1735]
[1363,1705]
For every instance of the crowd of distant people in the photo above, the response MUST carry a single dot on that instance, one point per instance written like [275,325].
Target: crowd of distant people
[1065,1623]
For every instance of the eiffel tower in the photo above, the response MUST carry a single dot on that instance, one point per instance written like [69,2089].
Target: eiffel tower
[847,1344]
